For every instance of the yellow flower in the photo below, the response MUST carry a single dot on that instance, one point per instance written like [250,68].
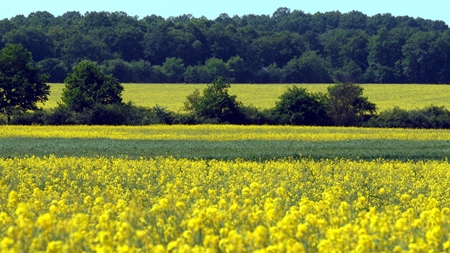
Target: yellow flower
[55,246]
[45,221]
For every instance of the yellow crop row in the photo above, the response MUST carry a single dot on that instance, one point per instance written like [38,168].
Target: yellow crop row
[178,205]
[172,96]
[223,133]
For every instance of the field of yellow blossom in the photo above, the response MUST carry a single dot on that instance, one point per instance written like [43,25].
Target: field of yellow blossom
[100,204]
[223,188]
[172,96]
[225,142]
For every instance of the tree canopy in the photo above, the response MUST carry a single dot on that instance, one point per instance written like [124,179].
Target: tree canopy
[347,106]
[88,86]
[289,46]
[215,104]
[21,84]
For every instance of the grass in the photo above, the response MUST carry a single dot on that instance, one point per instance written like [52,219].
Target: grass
[172,96]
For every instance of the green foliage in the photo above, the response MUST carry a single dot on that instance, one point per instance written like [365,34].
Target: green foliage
[238,70]
[428,117]
[347,106]
[290,46]
[54,67]
[173,69]
[21,84]
[298,107]
[215,105]
[309,68]
[207,73]
[34,40]
[88,86]
[426,57]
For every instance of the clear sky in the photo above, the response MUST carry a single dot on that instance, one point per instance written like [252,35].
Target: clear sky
[427,9]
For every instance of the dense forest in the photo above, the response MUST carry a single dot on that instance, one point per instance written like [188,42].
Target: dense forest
[285,47]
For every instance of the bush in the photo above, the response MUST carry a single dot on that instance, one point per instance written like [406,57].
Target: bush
[347,106]
[37,117]
[59,116]
[88,86]
[428,117]
[298,107]
[215,105]
[395,117]
[163,116]
[252,116]
[108,115]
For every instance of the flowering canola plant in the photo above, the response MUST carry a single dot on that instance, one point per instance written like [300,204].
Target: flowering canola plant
[224,133]
[101,204]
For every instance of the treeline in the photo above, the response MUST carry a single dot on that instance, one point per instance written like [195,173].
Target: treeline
[295,107]
[285,47]
[92,97]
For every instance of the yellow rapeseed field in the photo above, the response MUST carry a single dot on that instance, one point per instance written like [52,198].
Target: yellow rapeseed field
[172,96]
[103,204]
[224,133]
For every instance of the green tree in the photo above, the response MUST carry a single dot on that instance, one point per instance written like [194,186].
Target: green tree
[346,51]
[278,48]
[173,69]
[309,68]
[347,106]
[299,107]
[21,85]
[216,67]
[239,72]
[88,86]
[55,68]
[127,42]
[215,105]
[36,41]
[419,64]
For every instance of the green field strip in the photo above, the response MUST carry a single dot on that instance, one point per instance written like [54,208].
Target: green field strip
[227,150]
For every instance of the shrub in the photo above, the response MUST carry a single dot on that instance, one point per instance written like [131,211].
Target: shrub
[108,115]
[347,106]
[428,117]
[298,107]
[36,117]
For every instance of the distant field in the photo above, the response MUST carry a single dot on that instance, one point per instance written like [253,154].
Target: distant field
[172,96]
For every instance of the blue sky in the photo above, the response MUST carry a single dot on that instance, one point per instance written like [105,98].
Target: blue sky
[428,9]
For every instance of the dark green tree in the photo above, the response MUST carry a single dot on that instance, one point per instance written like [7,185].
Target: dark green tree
[278,48]
[346,51]
[118,68]
[299,107]
[216,67]
[36,41]
[238,70]
[347,106]
[207,73]
[173,69]
[215,105]
[127,42]
[309,68]
[440,51]
[88,86]
[55,68]
[353,20]
[81,47]
[21,84]
[420,66]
